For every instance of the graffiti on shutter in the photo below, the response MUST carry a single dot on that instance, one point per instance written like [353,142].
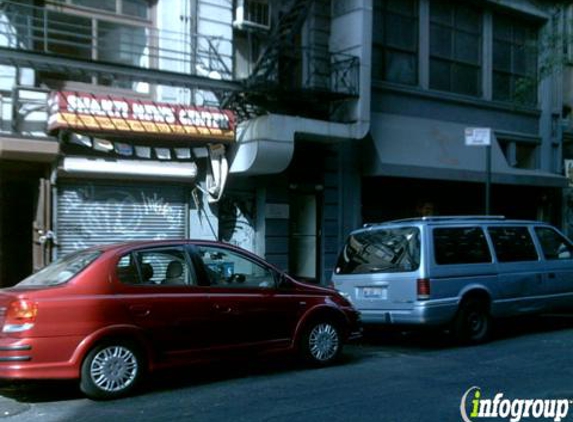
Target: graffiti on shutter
[93,214]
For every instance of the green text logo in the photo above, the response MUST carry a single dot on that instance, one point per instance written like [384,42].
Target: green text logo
[474,406]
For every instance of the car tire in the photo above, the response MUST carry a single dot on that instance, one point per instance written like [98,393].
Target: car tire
[320,343]
[111,370]
[472,323]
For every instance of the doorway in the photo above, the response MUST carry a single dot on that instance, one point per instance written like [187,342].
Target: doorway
[304,236]
[16,219]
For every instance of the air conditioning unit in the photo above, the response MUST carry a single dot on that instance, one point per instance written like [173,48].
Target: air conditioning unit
[253,15]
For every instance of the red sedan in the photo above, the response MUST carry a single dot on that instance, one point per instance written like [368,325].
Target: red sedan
[109,315]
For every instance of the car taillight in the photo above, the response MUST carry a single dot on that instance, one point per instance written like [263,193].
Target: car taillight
[20,316]
[423,288]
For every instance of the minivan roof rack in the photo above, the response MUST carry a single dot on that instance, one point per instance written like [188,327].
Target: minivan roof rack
[440,218]
[464,217]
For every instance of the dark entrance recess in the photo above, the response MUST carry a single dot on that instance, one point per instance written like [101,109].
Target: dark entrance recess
[304,236]
[18,193]
[388,198]
[306,179]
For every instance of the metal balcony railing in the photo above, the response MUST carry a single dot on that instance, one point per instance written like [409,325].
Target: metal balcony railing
[54,31]
[304,75]
[312,70]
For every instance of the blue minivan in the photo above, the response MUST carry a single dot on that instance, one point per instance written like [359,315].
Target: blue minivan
[458,272]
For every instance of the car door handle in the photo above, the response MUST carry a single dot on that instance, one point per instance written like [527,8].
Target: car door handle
[551,275]
[139,311]
[223,309]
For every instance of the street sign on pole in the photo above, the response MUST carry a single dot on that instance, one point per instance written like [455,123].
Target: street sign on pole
[478,136]
[481,136]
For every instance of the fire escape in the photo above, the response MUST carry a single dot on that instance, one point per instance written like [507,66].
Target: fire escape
[289,79]
[286,78]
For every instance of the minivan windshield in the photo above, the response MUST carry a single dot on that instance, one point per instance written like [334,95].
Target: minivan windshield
[380,250]
[61,270]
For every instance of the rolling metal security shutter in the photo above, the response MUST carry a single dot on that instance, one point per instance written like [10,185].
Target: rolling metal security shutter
[94,214]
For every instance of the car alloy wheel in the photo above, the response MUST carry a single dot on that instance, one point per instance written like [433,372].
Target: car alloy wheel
[114,368]
[110,371]
[323,342]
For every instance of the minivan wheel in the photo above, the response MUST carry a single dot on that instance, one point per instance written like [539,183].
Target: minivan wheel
[321,343]
[111,370]
[472,323]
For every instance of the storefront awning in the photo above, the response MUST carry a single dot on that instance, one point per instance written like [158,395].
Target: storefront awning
[25,149]
[412,147]
[104,135]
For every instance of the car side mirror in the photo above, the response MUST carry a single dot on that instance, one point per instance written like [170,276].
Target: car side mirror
[284,282]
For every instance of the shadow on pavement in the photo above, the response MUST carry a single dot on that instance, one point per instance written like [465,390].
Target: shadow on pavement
[166,380]
[39,391]
[528,325]
[417,339]
[377,342]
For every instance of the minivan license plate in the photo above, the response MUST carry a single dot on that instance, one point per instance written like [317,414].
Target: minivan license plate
[373,293]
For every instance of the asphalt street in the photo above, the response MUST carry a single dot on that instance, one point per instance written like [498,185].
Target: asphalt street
[388,376]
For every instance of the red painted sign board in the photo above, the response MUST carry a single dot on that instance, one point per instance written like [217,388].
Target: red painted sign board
[119,115]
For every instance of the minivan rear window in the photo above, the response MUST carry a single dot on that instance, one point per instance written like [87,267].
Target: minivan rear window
[380,250]
[460,245]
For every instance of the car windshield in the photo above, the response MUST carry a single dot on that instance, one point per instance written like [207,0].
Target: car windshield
[380,250]
[62,270]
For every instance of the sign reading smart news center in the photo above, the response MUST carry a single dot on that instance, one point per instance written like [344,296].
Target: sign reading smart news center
[112,114]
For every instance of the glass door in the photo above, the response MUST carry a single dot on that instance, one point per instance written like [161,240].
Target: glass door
[304,243]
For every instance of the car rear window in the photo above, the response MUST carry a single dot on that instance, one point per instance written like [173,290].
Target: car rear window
[62,270]
[380,250]
[460,245]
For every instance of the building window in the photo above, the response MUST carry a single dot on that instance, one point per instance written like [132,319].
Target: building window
[568,33]
[526,156]
[395,43]
[522,155]
[455,48]
[108,33]
[134,8]
[514,60]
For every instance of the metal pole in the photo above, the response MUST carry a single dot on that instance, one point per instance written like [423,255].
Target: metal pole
[487,179]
